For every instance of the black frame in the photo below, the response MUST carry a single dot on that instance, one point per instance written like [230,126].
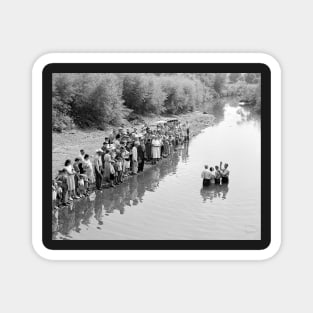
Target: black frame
[157,68]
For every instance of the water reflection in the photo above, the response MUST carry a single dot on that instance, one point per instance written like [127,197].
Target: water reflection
[214,192]
[106,202]
[168,201]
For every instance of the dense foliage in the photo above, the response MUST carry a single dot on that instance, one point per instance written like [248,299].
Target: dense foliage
[98,100]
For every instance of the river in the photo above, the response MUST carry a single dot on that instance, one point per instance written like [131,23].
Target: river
[168,201]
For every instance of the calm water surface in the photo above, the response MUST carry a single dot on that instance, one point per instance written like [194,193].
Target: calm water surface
[168,201]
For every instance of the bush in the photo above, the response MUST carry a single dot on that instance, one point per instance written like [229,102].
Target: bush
[143,93]
[219,82]
[91,100]
[233,77]
[98,100]
[252,78]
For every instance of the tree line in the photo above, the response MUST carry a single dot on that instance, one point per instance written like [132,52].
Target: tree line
[88,100]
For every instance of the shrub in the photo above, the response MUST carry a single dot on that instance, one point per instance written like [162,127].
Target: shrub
[233,77]
[219,82]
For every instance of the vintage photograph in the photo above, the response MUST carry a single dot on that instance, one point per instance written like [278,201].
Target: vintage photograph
[156,156]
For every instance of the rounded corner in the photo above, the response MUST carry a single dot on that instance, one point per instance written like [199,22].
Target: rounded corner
[42,62]
[270,250]
[42,250]
[270,62]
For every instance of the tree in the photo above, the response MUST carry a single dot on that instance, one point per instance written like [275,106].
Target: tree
[251,78]
[233,77]
[219,82]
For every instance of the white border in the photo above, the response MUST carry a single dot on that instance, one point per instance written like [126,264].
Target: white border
[155,58]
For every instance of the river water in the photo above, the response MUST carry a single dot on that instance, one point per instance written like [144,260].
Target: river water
[168,201]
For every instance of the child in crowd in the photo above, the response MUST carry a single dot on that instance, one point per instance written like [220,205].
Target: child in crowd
[119,163]
[62,180]
[120,151]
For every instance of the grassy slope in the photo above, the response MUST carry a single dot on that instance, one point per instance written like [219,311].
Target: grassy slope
[67,145]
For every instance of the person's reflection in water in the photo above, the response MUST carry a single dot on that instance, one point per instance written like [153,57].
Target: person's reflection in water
[66,219]
[185,154]
[133,190]
[79,215]
[223,190]
[155,178]
[117,202]
[131,193]
[108,201]
[98,210]
[89,209]
[141,187]
[214,191]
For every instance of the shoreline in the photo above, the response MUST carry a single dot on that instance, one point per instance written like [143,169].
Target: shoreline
[66,145]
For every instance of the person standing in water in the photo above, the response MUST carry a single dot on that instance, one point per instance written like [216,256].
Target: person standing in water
[218,175]
[212,178]
[206,176]
[224,173]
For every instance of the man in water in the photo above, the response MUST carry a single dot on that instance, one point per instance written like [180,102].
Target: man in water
[206,175]
[224,173]
[218,175]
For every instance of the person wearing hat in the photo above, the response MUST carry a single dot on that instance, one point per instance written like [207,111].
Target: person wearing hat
[81,154]
[104,146]
[97,167]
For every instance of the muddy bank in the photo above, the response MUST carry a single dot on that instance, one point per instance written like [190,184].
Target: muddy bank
[66,145]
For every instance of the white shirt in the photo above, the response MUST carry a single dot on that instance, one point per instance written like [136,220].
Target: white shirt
[206,174]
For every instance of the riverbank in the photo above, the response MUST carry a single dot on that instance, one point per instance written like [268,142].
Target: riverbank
[66,145]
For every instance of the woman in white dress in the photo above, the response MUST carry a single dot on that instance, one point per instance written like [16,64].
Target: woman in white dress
[89,169]
[70,179]
[156,146]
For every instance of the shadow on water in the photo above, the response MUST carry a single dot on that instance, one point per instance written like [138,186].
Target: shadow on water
[168,201]
[214,192]
[105,202]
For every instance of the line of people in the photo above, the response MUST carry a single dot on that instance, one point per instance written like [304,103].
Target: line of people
[218,175]
[123,153]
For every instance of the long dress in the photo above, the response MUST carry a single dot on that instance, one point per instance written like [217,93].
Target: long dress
[107,167]
[89,171]
[70,178]
[155,149]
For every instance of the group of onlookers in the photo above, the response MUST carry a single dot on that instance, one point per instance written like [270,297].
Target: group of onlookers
[218,175]
[123,153]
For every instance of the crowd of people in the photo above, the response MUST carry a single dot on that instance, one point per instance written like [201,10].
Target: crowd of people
[215,175]
[124,152]
[118,200]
